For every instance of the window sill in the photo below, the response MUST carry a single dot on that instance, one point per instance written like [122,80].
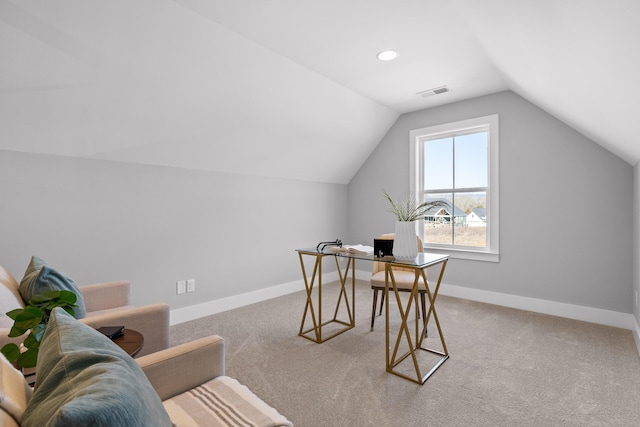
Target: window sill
[465,254]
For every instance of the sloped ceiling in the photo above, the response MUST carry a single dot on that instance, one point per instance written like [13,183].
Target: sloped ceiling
[291,88]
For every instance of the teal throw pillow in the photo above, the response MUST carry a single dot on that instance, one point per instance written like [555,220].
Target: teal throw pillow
[32,272]
[84,379]
[41,277]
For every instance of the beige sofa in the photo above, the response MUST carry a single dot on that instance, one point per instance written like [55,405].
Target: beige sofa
[88,380]
[107,304]
[178,387]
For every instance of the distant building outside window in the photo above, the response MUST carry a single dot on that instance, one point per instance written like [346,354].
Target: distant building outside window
[456,164]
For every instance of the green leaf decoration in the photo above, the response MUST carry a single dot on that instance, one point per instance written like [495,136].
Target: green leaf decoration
[29,358]
[31,341]
[30,311]
[14,313]
[33,319]
[11,351]
[68,297]
[24,321]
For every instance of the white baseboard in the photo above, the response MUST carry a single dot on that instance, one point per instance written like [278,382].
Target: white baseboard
[577,312]
[197,311]
[587,314]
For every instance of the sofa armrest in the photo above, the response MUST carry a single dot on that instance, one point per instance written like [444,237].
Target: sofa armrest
[152,321]
[107,295]
[184,367]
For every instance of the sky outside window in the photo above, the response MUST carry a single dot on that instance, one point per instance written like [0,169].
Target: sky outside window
[438,164]
[470,162]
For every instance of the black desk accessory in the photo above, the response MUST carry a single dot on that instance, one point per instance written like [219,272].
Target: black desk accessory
[323,245]
[382,247]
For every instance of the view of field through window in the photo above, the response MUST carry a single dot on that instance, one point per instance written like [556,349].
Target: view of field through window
[463,236]
[462,221]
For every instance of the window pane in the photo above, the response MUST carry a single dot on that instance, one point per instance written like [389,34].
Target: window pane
[470,229]
[437,221]
[471,160]
[438,164]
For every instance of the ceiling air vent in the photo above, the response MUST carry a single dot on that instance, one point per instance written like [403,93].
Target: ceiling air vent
[434,91]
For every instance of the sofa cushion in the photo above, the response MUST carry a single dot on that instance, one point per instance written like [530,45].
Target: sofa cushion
[85,379]
[32,271]
[222,401]
[14,391]
[40,277]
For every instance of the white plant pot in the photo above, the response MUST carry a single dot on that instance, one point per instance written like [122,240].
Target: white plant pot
[405,244]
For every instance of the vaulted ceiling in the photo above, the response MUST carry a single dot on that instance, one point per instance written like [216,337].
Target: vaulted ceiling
[292,88]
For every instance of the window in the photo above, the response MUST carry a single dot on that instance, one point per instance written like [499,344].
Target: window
[456,165]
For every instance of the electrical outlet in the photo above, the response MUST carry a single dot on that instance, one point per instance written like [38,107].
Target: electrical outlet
[191,285]
[181,287]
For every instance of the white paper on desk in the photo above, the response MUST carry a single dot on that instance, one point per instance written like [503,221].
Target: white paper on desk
[353,249]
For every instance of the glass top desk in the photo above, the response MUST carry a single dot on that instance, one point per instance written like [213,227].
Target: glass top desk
[407,345]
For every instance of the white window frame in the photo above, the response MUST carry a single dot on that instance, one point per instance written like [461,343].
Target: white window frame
[492,251]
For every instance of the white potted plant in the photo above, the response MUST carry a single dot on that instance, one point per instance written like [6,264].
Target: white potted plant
[408,212]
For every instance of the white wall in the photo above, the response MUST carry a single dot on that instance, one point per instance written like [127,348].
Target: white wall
[97,221]
[566,206]
[636,251]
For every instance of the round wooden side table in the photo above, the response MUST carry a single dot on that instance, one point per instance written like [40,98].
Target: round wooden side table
[130,341]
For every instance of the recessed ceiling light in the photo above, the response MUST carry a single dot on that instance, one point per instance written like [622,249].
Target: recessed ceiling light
[387,55]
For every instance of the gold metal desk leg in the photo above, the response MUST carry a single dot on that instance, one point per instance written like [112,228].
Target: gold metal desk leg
[394,359]
[316,315]
[432,306]
[317,271]
[351,262]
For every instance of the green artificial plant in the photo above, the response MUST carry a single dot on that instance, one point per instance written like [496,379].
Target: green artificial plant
[34,318]
[408,209]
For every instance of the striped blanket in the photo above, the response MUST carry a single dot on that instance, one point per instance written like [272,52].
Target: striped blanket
[222,401]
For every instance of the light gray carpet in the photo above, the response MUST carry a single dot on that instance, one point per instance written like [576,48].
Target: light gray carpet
[507,367]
